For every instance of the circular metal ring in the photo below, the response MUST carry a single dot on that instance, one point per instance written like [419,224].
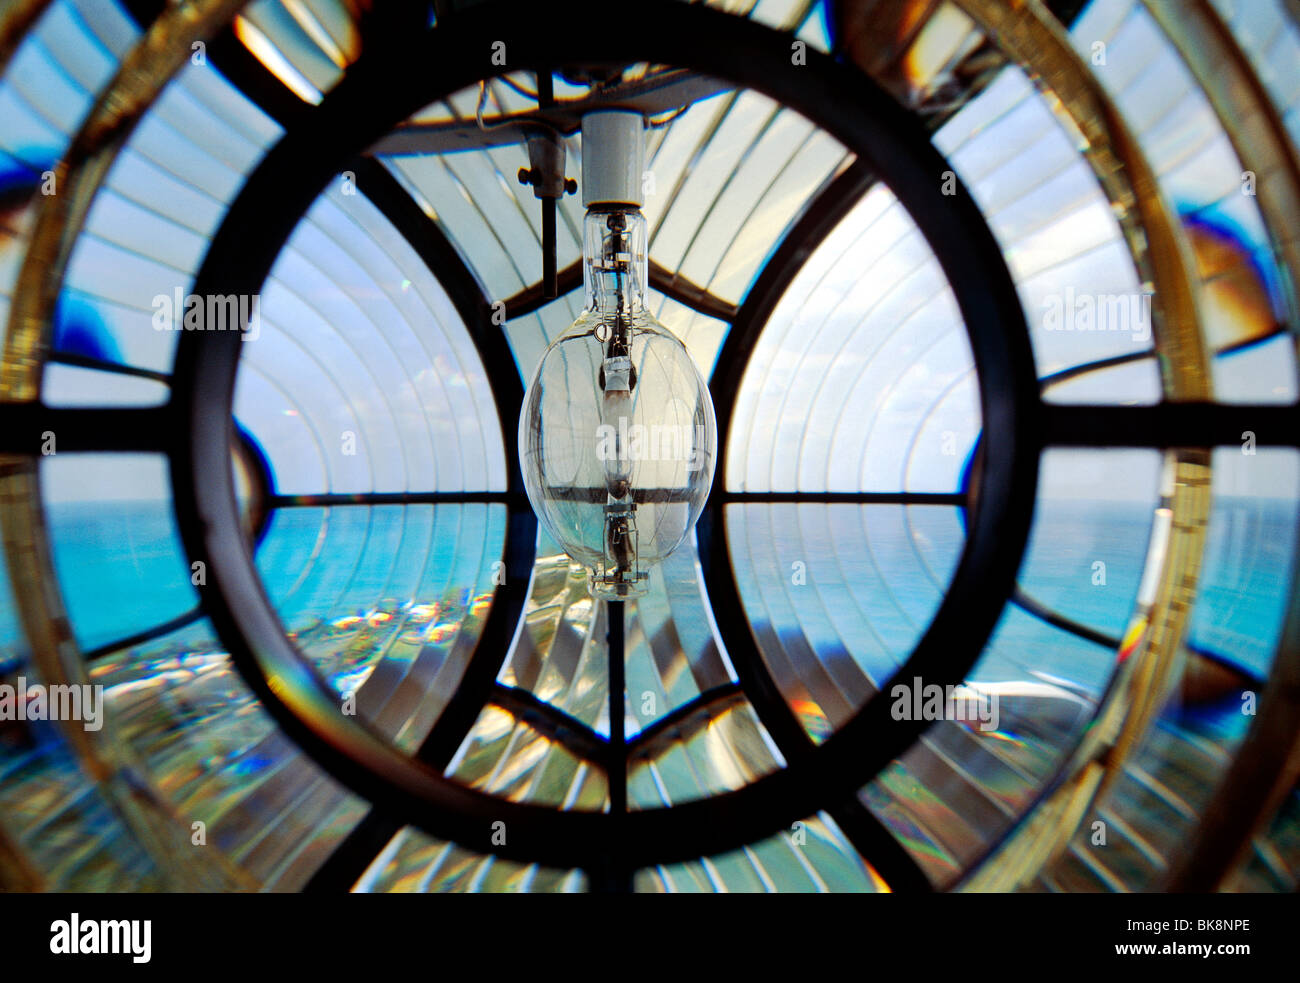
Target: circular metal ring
[384,88]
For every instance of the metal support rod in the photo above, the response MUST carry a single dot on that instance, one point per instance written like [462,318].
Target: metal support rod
[617,711]
[611,875]
[550,286]
[550,282]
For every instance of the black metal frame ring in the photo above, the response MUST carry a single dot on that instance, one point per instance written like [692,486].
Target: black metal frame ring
[385,87]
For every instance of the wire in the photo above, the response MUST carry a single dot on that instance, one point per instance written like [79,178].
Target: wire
[478,112]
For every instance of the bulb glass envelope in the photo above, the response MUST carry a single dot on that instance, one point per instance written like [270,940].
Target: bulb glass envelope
[617,433]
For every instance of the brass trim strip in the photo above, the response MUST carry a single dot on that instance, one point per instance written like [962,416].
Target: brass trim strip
[104,755]
[139,79]
[17,18]
[1252,123]
[17,873]
[1031,36]
[16,870]
[1267,764]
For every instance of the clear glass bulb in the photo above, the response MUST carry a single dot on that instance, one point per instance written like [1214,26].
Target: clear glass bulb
[617,435]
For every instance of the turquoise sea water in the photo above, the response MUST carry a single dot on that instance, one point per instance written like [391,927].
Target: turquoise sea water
[122,571]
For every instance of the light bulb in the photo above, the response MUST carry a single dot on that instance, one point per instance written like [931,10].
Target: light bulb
[617,434]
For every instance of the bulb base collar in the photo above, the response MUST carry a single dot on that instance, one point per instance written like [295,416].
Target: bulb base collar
[613,158]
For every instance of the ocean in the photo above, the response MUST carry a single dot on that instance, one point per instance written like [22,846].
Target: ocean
[122,571]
